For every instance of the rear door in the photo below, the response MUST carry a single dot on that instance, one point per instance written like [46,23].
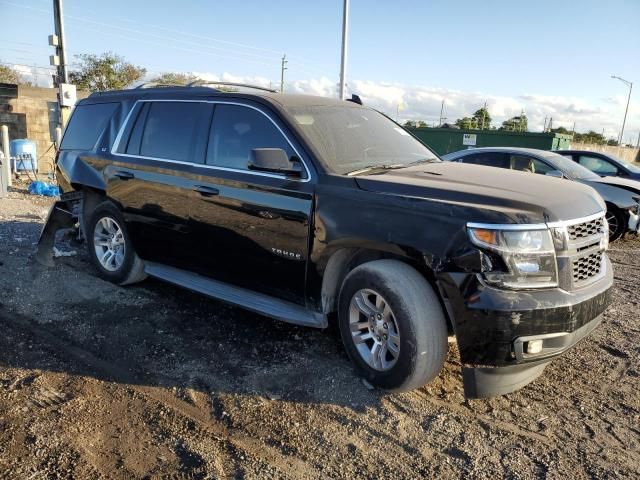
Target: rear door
[251,228]
[152,175]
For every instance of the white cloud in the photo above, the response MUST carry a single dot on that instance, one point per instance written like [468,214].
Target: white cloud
[424,102]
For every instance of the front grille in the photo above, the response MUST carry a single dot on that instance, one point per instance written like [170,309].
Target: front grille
[586,229]
[586,267]
[580,252]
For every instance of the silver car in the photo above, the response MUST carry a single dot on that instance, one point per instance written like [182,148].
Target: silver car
[621,195]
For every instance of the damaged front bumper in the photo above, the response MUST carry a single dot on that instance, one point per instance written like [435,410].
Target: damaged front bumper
[507,338]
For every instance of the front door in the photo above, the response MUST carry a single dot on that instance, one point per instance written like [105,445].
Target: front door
[251,228]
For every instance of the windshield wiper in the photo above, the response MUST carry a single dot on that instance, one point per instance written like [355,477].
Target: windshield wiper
[372,168]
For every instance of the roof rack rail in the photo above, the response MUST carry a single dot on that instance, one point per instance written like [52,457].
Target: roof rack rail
[157,84]
[204,83]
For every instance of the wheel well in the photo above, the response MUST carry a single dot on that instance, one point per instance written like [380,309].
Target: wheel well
[345,260]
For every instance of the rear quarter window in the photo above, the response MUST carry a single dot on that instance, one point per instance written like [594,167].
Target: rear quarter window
[86,125]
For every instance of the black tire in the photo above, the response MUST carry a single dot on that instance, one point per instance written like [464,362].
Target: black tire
[131,269]
[617,223]
[419,317]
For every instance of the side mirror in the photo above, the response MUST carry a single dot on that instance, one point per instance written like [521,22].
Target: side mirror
[274,160]
[555,174]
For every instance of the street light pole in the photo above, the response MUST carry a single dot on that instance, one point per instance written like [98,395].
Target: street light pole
[630,85]
[343,62]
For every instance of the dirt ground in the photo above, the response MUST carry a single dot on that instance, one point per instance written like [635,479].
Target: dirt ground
[150,381]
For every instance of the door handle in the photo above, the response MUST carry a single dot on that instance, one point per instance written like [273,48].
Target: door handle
[124,175]
[206,191]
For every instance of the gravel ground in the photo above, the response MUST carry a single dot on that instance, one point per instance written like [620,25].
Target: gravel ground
[150,381]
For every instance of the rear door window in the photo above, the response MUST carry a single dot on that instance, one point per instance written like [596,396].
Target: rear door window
[489,159]
[236,130]
[86,125]
[175,131]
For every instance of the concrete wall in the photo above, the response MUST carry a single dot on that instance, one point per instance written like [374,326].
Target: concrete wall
[625,153]
[34,115]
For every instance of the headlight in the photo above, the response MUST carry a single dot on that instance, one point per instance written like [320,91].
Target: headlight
[529,256]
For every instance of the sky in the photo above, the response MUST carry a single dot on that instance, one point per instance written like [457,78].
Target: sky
[550,58]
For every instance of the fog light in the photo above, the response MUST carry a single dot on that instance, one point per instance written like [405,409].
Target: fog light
[533,346]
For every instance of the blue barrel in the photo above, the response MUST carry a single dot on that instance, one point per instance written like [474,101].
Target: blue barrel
[24,155]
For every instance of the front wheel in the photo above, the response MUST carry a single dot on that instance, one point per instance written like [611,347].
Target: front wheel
[617,223]
[110,247]
[392,325]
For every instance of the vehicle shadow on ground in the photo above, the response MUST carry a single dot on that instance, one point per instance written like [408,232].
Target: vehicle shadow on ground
[158,335]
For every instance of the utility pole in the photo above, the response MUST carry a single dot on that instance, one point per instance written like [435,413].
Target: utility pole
[573,130]
[624,120]
[282,69]
[60,47]
[544,127]
[441,112]
[343,62]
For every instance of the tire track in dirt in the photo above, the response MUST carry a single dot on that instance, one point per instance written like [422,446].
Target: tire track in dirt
[291,466]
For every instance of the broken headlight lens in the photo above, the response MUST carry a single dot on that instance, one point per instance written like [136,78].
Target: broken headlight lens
[528,255]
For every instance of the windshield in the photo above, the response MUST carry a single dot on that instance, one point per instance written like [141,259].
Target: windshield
[570,168]
[632,167]
[353,140]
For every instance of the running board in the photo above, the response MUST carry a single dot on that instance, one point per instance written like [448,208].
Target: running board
[256,302]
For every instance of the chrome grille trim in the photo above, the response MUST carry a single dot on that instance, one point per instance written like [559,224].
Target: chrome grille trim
[580,246]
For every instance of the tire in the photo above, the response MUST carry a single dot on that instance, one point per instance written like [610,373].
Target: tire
[412,310]
[617,223]
[106,224]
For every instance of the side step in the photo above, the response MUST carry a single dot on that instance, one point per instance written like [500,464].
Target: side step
[256,302]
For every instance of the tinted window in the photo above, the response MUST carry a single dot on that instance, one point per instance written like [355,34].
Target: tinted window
[86,125]
[521,163]
[489,159]
[541,167]
[133,146]
[597,165]
[174,130]
[237,130]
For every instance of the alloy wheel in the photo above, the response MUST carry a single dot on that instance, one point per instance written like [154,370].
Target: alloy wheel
[374,329]
[109,244]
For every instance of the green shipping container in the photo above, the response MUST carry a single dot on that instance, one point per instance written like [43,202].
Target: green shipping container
[446,140]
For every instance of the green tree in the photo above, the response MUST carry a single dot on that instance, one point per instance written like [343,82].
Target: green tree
[108,71]
[560,130]
[468,123]
[9,75]
[410,124]
[613,142]
[519,123]
[590,137]
[169,78]
[422,124]
[482,119]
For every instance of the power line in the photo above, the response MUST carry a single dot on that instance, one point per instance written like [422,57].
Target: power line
[232,54]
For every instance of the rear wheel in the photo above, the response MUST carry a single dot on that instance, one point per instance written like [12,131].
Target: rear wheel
[617,223]
[392,325]
[110,247]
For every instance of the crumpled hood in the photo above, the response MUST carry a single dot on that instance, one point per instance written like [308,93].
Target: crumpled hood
[524,197]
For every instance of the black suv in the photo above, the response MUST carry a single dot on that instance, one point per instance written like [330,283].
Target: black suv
[311,210]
